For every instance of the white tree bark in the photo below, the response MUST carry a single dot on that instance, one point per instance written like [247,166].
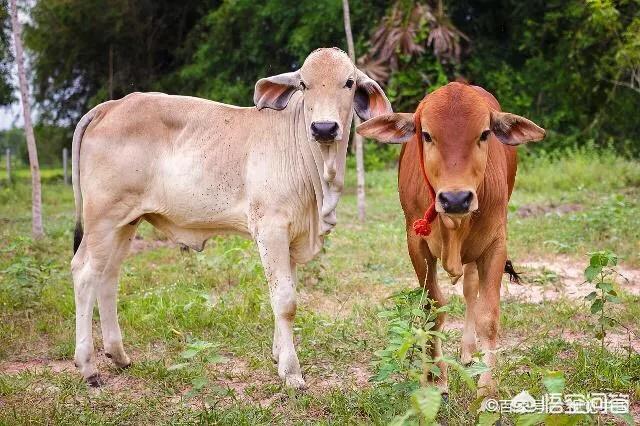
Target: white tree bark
[357,139]
[36,194]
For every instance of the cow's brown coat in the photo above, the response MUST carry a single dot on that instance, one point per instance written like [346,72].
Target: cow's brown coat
[457,159]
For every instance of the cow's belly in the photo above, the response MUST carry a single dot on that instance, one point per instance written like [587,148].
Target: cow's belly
[191,200]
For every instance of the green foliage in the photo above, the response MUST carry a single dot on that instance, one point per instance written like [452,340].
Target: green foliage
[75,44]
[197,354]
[601,272]
[6,55]
[239,42]
[406,363]
[560,64]
[572,67]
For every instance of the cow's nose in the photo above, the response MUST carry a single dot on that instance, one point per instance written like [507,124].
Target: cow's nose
[324,130]
[456,201]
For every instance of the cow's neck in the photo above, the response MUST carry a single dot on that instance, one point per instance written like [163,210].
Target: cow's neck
[325,163]
[455,232]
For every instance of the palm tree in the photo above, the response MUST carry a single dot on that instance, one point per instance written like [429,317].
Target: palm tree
[409,29]
[36,196]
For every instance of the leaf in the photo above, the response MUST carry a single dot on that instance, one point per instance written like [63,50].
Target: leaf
[612,298]
[591,272]
[189,353]
[464,373]
[477,368]
[199,382]
[597,305]
[554,382]
[426,401]
[488,419]
[401,420]
[606,286]
[591,295]
[531,419]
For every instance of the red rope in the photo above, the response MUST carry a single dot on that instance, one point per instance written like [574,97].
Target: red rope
[423,226]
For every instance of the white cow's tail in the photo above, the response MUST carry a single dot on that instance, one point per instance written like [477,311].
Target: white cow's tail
[75,173]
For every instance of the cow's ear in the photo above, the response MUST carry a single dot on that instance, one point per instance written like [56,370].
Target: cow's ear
[275,92]
[511,129]
[369,100]
[389,128]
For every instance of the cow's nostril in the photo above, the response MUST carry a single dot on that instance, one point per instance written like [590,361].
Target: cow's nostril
[324,130]
[455,201]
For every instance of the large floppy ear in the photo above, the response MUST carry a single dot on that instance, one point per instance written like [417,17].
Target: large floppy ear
[369,100]
[511,129]
[275,92]
[389,128]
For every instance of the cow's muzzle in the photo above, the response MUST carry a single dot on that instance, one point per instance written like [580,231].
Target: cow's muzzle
[324,131]
[456,202]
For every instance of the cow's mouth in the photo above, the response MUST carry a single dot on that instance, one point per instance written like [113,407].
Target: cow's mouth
[325,141]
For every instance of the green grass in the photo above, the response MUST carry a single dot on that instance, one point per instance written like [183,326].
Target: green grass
[169,300]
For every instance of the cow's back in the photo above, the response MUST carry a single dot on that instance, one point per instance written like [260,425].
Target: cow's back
[177,156]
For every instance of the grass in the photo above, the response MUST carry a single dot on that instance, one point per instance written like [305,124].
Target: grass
[170,301]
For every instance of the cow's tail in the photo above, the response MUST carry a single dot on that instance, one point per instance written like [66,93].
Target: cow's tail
[514,277]
[75,173]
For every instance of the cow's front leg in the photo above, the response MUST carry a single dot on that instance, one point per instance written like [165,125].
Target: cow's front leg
[273,244]
[490,268]
[470,291]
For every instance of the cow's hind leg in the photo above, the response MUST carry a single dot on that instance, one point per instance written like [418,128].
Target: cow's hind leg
[95,269]
[470,289]
[108,295]
[273,244]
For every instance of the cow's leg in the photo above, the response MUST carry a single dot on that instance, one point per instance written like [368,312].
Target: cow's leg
[425,266]
[490,268]
[470,290]
[273,244]
[95,270]
[435,294]
[84,280]
[107,298]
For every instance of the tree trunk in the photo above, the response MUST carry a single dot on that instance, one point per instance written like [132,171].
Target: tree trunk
[357,139]
[36,196]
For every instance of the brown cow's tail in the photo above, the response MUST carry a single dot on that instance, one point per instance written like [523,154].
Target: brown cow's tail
[75,173]
[514,277]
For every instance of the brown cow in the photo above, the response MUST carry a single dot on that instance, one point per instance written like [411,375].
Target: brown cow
[468,149]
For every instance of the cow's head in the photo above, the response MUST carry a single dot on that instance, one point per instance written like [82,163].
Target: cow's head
[455,124]
[331,86]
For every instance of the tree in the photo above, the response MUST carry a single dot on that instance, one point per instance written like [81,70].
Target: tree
[6,58]
[357,139]
[88,51]
[36,195]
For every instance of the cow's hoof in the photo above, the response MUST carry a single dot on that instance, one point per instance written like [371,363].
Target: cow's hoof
[445,397]
[295,381]
[124,366]
[95,381]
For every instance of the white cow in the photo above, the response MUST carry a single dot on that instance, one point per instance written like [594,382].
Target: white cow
[195,168]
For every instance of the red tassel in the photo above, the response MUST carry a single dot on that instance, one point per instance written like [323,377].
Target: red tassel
[422,227]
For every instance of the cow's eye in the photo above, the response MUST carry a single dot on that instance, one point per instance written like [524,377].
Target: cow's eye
[485,135]
[426,137]
[349,83]
[303,86]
